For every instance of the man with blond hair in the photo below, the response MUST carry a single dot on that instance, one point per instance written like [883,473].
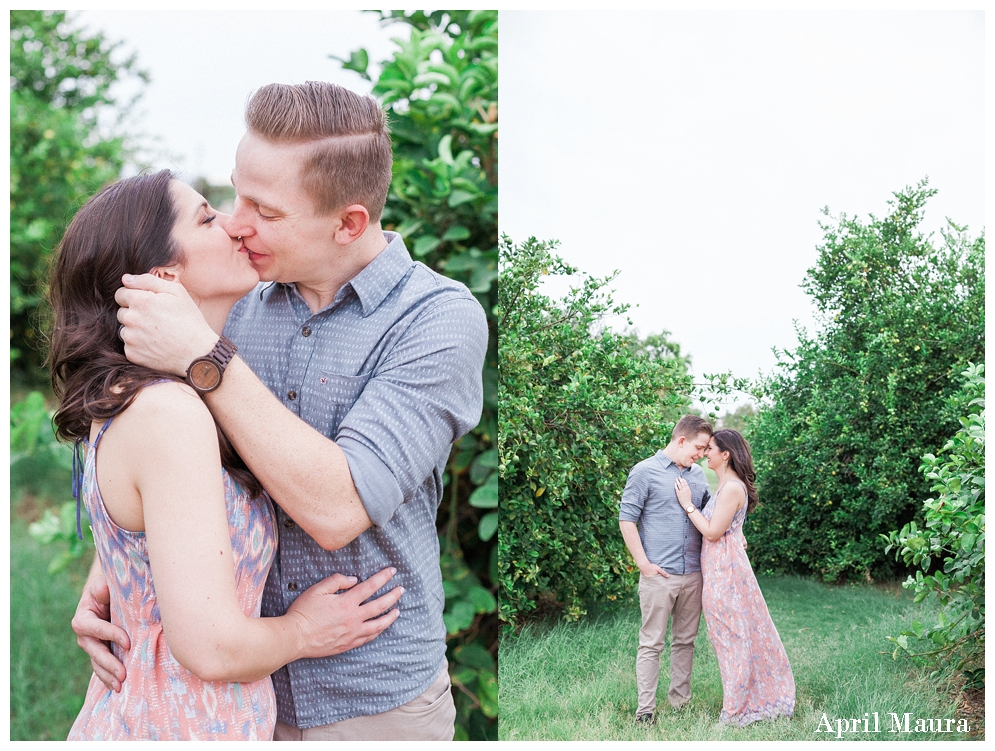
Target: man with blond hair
[356,370]
[666,547]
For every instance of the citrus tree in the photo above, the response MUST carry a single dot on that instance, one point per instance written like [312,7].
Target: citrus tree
[853,409]
[948,550]
[63,148]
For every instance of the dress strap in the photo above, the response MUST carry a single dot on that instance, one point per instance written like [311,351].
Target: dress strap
[101,433]
[77,482]
[78,474]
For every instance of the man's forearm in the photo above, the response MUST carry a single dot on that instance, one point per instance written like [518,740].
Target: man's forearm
[302,470]
[630,534]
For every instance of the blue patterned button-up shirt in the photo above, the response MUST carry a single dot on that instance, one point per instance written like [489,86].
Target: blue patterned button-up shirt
[669,538]
[391,371]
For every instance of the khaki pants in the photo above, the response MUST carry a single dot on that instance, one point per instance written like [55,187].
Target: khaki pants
[659,598]
[430,716]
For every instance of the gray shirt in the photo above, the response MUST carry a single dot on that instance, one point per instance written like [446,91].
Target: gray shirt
[390,370]
[649,500]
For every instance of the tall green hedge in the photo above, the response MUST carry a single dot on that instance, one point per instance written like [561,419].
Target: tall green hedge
[853,408]
[61,152]
[580,405]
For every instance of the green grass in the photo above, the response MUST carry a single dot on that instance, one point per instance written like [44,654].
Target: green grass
[577,681]
[48,672]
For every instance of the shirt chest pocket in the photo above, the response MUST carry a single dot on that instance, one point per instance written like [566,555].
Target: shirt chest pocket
[335,395]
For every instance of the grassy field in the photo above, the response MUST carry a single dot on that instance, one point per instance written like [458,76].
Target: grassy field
[48,672]
[577,681]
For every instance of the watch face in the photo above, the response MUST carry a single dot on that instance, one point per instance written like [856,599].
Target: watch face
[205,375]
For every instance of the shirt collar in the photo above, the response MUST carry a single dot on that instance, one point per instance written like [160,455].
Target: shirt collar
[381,275]
[667,461]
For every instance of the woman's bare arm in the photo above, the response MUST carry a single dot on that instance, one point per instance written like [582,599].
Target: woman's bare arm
[169,443]
[726,504]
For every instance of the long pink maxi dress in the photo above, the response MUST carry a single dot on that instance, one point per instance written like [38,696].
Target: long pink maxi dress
[160,699]
[757,683]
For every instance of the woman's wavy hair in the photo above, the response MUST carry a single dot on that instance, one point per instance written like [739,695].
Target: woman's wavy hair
[126,228]
[740,462]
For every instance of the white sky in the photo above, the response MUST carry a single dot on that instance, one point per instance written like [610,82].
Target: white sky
[204,64]
[694,151]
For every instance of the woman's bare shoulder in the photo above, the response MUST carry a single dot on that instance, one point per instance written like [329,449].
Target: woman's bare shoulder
[732,490]
[166,405]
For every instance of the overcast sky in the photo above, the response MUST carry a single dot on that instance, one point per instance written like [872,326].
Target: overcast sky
[204,64]
[694,150]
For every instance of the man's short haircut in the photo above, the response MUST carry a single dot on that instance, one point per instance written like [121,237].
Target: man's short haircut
[690,426]
[349,157]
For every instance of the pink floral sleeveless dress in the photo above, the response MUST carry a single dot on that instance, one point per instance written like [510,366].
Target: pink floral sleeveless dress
[757,683]
[160,699]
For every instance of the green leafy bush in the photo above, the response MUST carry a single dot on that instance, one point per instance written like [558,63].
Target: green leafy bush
[846,420]
[579,407]
[948,552]
[62,150]
[32,435]
[42,466]
[60,529]
[440,90]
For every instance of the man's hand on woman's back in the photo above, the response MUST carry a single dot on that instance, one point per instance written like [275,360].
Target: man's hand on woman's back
[94,630]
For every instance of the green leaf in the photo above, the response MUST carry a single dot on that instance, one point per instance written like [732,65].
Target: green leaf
[450,589]
[475,656]
[425,245]
[456,232]
[488,526]
[445,150]
[358,61]
[459,618]
[486,496]
[487,694]
[430,78]
[459,197]
[483,601]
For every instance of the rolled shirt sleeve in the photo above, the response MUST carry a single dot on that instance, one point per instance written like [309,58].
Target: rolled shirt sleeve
[426,394]
[634,496]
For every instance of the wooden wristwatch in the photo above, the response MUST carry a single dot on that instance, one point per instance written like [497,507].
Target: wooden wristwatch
[205,373]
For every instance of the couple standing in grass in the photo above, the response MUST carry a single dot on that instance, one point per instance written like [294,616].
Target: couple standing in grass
[666,511]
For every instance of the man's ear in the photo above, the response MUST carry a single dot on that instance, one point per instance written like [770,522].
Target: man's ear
[353,221]
[167,273]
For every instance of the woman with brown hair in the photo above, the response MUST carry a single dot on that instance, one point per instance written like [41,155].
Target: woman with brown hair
[184,533]
[757,683]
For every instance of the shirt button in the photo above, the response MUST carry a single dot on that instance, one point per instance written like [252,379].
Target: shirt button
[306,331]
[291,395]
[292,586]
[289,523]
